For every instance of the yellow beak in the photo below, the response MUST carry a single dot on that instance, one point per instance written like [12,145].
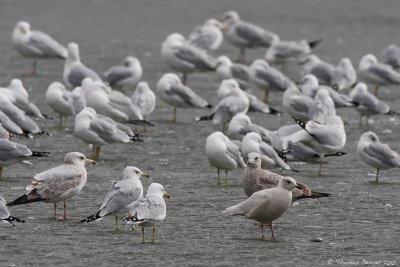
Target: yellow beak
[165,195]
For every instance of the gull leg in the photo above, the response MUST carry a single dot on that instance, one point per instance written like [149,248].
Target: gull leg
[272,231]
[223,127]
[65,209]
[143,235]
[33,72]
[1,170]
[174,115]
[321,160]
[266,96]
[262,231]
[361,117]
[226,177]
[377,175]
[242,55]
[61,120]
[376,90]
[218,177]
[154,233]
[184,78]
[93,152]
[97,154]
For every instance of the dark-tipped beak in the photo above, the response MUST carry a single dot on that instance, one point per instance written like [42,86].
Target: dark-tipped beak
[298,186]
[165,195]
[90,161]
[145,174]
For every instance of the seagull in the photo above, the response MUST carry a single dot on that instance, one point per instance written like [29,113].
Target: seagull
[120,195]
[36,44]
[296,104]
[11,152]
[149,209]
[10,126]
[287,51]
[267,78]
[57,184]
[376,154]
[144,99]
[312,64]
[252,142]
[185,58]
[223,154]
[256,179]
[208,36]
[5,216]
[344,76]
[256,105]
[60,100]
[368,104]
[19,96]
[376,73]
[244,34]
[171,90]
[74,70]
[267,205]
[126,76]
[101,130]
[391,56]
[241,124]
[233,101]
[226,69]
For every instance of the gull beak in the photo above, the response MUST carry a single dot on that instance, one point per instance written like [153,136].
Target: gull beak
[302,62]
[225,28]
[165,195]
[298,186]
[90,161]
[145,174]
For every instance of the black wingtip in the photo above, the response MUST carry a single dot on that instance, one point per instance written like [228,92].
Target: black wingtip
[273,111]
[141,122]
[137,137]
[299,122]
[43,132]
[40,154]
[319,194]
[314,43]
[204,118]
[393,113]
[209,106]
[91,218]
[12,219]
[47,117]
[24,200]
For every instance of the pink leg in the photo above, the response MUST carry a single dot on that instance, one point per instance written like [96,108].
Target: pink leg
[272,231]
[65,209]
[262,231]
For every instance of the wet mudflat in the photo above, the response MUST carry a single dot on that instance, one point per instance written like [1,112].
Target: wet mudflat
[355,224]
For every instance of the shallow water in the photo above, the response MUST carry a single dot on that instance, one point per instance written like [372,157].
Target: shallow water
[354,224]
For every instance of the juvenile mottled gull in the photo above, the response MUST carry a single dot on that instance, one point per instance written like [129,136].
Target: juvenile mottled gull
[223,154]
[376,154]
[256,179]
[125,76]
[267,205]
[244,34]
[173,92]
[57,184]
[60,100]
[376,73]
[5,216]
[74,70]
[184,57]
[36,44]
[11,152]
[207,36]
[149,209]
[120,195]
[368,104]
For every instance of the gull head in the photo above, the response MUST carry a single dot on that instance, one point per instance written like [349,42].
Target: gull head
[223,61]
[288,183]
[259,64]
[131,61]
[227,87]
[16,83]
[229,17]
[241,119]
[309,80]
[77,158]
[214,23]
[175,39]
[73,52]
[253,136]
[57,86]
[370,137]
[142,87]
[254,160]
[310,60]
[367,61]
[170,78]
[158,190]
[86,114]
[134,172]
[23,27]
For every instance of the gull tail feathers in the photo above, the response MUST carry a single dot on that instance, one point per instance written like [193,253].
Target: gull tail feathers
[24,200]
[93,217]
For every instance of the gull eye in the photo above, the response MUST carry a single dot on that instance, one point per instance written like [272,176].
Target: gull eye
[81,158]
[288,181]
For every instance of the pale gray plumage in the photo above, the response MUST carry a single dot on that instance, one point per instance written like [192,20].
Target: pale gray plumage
[5,216]
[241,124]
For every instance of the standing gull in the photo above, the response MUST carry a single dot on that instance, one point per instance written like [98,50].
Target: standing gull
[74,70]
[126,76]
[144,99]
[60,100]
[233,101]
[57,184]
[368,104]
[244,34]
[185,58]
[149,209]
[312,64]
[226,69]
[120,195]
[207,36]
[267,205]
[391,56]
[256,179]
[5,216]
[101,130]
[223,154]
[376,73]
[173,92]
[36,44]
[376,154]
[240,125]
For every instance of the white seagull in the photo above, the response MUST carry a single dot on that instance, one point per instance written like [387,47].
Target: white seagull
[125,76]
